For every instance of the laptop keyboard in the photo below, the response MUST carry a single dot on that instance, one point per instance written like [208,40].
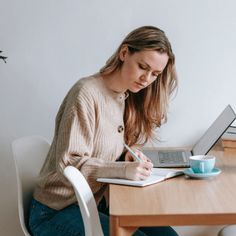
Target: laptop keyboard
[171,157]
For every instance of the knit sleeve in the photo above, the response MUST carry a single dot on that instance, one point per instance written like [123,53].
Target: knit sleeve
[75,142]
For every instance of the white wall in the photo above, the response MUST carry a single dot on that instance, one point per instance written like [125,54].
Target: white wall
[51,44]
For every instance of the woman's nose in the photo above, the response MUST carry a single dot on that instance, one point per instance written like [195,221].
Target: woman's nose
[146,77]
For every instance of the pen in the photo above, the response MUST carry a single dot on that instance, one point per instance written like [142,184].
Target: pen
[132,153]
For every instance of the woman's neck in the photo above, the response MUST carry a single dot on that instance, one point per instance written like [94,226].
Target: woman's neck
[114,82]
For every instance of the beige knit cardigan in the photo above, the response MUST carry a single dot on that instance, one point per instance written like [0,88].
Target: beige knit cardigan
[89,134]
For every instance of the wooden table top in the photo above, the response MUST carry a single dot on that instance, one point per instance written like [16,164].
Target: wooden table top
[182,196]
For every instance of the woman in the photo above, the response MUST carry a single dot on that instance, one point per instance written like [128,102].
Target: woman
[124,102]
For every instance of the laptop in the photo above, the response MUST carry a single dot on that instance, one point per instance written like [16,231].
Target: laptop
[180,158]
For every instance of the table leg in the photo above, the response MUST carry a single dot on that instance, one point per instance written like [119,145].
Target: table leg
[117,230]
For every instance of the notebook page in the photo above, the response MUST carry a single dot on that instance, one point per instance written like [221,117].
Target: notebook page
[166,173]
[150,180]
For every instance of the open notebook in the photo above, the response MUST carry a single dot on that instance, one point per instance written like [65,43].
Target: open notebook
[158,175]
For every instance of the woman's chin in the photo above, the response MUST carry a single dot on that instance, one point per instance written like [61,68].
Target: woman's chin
[134,90]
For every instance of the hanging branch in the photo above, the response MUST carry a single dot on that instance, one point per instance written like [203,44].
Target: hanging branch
[3,58]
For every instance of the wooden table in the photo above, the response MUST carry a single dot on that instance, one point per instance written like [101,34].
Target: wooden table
[177,201]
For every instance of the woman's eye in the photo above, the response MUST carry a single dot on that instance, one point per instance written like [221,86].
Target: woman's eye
[142,67]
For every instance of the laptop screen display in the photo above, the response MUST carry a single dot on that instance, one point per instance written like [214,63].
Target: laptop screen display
[214,132]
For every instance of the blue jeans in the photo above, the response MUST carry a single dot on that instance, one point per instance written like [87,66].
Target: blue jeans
[44,221]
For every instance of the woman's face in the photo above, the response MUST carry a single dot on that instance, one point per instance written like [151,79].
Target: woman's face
[140,69]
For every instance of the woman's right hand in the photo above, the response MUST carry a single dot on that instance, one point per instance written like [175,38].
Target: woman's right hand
[138,170]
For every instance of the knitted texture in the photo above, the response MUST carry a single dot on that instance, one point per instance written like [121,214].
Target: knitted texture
[89,135]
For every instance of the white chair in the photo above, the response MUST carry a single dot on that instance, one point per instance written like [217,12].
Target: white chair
[29,154]
[229,230]
[85,200]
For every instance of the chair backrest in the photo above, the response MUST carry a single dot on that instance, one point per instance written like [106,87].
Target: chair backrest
[228,230]
[85,200]
[29,154]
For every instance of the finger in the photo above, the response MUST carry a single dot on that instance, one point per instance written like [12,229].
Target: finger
[147,165]
[145,172]
[140,155]
[128,157]
[139,176]
[143,176]
[149,160]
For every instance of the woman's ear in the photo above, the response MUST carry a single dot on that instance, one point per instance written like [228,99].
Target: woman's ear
[123,52]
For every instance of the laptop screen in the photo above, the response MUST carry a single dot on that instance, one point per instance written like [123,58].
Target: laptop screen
[214,132]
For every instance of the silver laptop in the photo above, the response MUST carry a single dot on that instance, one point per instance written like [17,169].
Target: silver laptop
[180,158]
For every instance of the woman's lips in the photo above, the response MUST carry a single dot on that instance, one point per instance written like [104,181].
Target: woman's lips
[140,85]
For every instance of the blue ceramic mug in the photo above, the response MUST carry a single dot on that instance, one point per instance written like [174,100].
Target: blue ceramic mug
[202,163]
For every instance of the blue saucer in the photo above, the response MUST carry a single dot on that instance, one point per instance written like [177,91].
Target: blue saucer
[189,172]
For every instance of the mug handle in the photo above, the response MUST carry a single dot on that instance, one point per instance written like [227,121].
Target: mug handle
[202,169]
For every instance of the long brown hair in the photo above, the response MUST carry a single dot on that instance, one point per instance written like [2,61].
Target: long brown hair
[147,109]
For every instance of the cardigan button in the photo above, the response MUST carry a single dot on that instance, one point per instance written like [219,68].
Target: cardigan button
[120,128]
